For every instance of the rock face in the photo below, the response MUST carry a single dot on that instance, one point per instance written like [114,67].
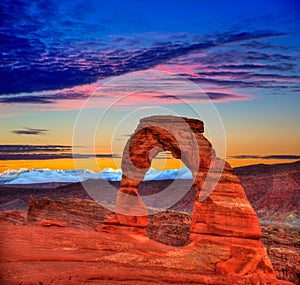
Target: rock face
[283,247]
[226,212]
[169,227]
[224,218]
[274,191]
[72,212]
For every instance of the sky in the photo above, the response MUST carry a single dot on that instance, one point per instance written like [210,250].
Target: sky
[238,59]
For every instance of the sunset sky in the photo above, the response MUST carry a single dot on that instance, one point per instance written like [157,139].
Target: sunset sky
[244,56]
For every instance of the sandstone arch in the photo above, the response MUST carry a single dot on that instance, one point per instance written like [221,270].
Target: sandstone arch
[226,212]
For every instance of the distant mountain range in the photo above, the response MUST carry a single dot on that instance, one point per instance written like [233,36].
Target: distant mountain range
[273,191]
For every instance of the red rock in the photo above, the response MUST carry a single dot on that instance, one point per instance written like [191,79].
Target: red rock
[13,217]
[223,246]
[274,191]
[72,212]
[51,223]
[224,218]
[120,255]
[282,244]
[225,212]
[173,228]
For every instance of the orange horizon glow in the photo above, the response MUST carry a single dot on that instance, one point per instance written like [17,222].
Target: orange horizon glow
[115,163]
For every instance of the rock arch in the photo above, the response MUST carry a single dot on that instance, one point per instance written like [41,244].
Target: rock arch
[226,212]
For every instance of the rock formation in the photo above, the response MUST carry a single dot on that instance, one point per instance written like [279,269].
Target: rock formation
[72,212]
[225,212]
[168,227]
[224,218]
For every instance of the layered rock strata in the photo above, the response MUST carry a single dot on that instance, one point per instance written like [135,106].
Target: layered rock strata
[225,211]
[222,215]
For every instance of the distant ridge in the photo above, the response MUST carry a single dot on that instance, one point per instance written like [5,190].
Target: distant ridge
[273,190]
[257,168]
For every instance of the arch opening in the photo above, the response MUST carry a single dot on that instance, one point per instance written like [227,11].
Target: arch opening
[223,210]
[171,226]
[181,139]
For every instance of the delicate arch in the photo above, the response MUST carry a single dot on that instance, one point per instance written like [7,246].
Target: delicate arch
[226,212]
[183,138]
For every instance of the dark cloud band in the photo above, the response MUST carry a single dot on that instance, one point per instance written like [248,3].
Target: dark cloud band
[45,152]
[30,131]
[278,156]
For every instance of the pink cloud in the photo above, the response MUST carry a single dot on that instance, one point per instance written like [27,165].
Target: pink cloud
[159,86]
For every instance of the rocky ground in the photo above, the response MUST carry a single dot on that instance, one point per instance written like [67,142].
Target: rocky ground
[45,237]
[65,242]
[283,247]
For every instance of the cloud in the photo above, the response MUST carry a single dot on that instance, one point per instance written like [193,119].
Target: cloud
[238,55]
[33,63]
[30,131]
[198,96]
[255,66]
[244,83]
[234,67]
[45,152]
[80,92]
[220,96]
[248,75]
[15,148]
[275,156]
[50,49]
[263,45]
[47,156]
[29,99]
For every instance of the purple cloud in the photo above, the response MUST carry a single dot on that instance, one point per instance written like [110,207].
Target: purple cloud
[44,152]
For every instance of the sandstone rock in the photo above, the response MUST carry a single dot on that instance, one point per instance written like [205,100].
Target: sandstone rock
[173,227]
[120,255]
[225,212]
[214,253]
[222,214]
[283,247]
[13,217]
[170,227]
[274,191]
[167,227]
[221,245]
[51,223]
[72,212]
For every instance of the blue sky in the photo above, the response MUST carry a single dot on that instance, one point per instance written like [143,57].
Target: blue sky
[243,54]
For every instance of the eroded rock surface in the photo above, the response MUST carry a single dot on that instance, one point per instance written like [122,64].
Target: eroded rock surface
[224,217]
[226,212]
[72,212]
[274,191]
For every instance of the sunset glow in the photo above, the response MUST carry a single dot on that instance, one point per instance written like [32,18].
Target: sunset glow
[242,58]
